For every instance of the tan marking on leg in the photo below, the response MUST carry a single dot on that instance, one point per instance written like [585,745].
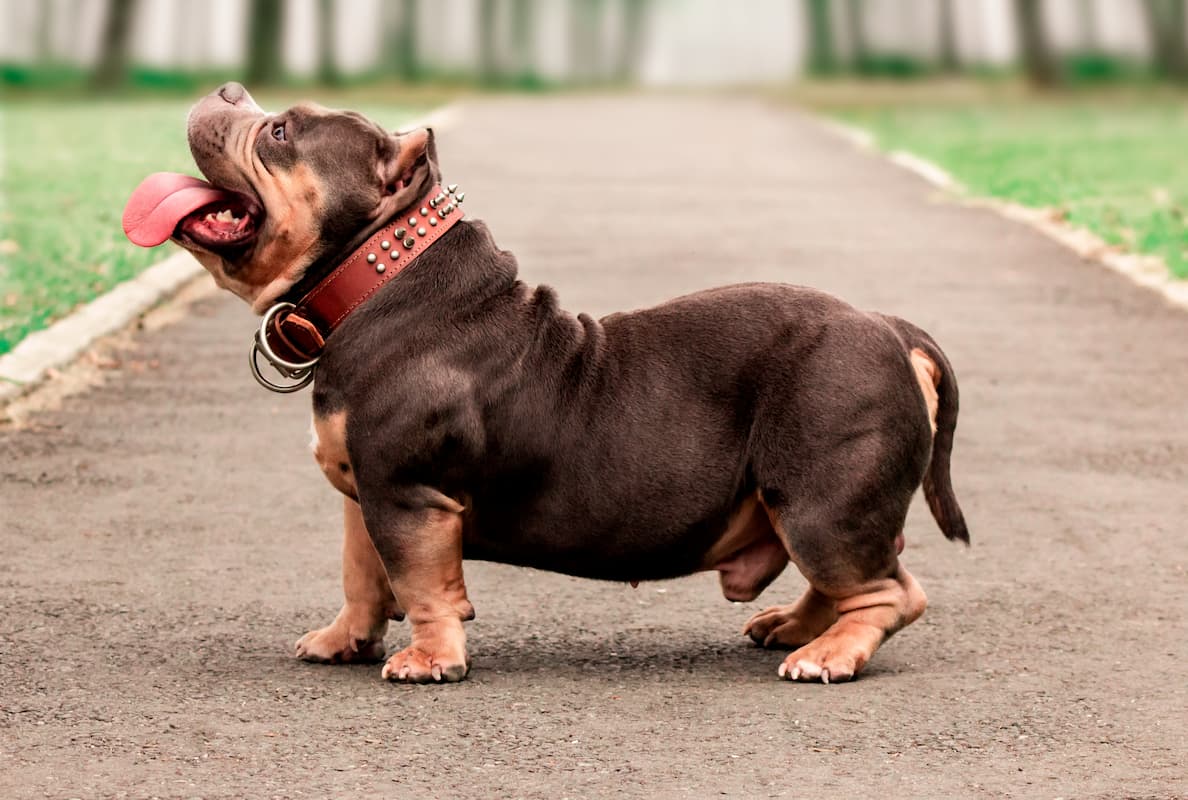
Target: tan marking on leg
[330,451]
[793,625]
[431,590]
[928,376]
[357,633]
[748,555]
[867,616]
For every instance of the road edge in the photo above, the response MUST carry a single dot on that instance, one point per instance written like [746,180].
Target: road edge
[1148,271]
[35,357]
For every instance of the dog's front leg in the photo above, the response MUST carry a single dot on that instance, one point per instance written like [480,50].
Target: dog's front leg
[419,538]
[357,633]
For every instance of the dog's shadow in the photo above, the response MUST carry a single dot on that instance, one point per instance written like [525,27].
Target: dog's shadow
[615,656]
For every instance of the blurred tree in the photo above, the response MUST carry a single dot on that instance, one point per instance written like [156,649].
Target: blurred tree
[523,41]
[950,61]
[1087,16]
[1165,24]
[635,15]
[821,58]
[45,33]
[859,54]
[400,38]
[1038,62]
[112,68]
[585,38]
[265,61]
[327,34]
[488,54]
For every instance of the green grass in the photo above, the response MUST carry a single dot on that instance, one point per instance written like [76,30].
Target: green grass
[1117,167]
[67,169]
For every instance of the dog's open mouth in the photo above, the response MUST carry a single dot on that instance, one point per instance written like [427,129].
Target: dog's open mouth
[167,204]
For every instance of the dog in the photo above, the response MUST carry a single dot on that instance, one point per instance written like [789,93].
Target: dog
[464,414]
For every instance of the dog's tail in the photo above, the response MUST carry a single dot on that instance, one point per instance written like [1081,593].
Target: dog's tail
[938,486]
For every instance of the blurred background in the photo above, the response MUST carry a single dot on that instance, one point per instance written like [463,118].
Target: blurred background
[110,44]
[1073,106]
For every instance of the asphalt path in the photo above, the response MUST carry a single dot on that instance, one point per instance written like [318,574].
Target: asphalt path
[166,537]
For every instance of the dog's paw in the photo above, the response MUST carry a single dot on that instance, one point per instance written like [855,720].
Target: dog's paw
[414,665]
[781,626]
[335,644]
[833,657]
[792,625]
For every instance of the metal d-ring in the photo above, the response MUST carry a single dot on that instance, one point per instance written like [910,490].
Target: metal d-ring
[300,371]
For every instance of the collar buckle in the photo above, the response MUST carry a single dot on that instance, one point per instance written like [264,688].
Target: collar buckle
[299,371]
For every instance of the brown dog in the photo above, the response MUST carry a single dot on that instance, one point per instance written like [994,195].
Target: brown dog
[464,414]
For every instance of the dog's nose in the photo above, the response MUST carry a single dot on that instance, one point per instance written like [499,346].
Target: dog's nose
[232,92]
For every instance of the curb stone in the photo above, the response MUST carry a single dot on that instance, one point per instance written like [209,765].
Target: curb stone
[34,356]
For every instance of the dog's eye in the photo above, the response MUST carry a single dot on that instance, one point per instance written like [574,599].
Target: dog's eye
[278,132]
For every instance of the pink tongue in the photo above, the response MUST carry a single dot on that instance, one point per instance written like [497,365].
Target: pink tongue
[161,201]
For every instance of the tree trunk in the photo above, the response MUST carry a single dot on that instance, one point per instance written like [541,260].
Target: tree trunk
[1165,23]
[327,37]
[950,61]
[585,29]
[45,32]
[1038,61]
[1087,17]
[857,24]
[523,40]
[635,15]
[407,59]
[821,60]
[488,54]
[112,69]
[265,64]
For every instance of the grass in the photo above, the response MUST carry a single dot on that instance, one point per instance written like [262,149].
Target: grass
[67,168]
[1113,163]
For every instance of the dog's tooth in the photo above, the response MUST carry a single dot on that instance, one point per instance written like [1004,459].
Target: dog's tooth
[210,217]
[824,676]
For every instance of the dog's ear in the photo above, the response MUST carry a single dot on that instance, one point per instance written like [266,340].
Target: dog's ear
[407,165]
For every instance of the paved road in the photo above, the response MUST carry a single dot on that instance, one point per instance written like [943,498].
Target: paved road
[167,537]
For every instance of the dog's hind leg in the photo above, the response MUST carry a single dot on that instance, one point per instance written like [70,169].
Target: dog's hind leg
[837,463]
[357,633]
[845,539]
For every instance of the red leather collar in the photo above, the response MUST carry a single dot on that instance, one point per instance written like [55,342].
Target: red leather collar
[298,333]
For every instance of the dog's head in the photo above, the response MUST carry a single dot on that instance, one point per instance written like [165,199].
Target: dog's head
[284,191]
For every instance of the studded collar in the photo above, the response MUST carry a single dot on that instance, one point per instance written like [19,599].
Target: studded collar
[292,335]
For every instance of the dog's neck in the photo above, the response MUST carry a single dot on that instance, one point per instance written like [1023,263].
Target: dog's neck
[331,291]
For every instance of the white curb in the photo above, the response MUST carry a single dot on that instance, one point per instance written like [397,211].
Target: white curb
[39,353]
[1144,270]
[66,339]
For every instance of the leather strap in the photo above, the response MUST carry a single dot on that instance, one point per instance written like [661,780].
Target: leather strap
[300,333]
